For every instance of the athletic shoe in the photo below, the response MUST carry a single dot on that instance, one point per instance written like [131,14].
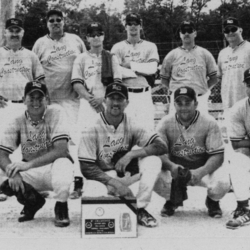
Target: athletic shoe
[168,209]
[61,214]
[214,209]
[76,194]
[145,219]
[29,211]
[241,218]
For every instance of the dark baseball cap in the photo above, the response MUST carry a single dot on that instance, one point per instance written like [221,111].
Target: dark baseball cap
[246,75]
[231,21]
[116,88]
[94,27]
[54,12]
[187,24]
[185,91]
[14,22]
[35,86]
[133,17]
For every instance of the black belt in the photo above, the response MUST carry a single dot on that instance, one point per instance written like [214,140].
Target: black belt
[21,101]
[138,90]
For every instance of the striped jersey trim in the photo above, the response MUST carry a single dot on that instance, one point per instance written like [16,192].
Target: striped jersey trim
[87,160]
[105,120]
[182,48]
[219,151]
[151,140]
[192,122]
[236,138]
[153,60]
[140,41]
[77,80]
[40,77]
[9,150]
[212,73]
[60,137]
[7,48]
[117,80]
[165,77]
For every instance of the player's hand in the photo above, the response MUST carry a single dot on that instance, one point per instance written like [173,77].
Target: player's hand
[16,183]
[3,102]
[124,191]
[197,175]
[128,180]
[174,170]
[122,163]
[126,63]
[13,168]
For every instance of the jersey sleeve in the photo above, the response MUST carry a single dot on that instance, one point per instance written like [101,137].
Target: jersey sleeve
[10,138]
[161,130]
[210,64]
[77,71]
[236,130]
[58,124]
[37,69]
[117,75]
[153,55]
[36,48]
[214,142]
[115,50]
[166,69]
[219,69]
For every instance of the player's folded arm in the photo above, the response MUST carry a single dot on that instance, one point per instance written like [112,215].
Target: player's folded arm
[4,158]
[156,147]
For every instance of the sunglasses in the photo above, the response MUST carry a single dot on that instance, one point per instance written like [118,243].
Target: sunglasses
[133,23]
[230,29]
[58,20]
[98,34]
[187,30]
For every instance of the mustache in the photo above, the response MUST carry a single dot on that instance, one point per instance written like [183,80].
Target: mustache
[14,37]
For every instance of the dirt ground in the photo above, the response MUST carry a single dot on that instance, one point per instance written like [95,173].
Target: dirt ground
[189,228]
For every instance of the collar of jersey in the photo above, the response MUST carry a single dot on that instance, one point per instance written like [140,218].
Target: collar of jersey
[94,55]
[105,120]
[8,48]
[240,44]
[34,123]
[197,113]
[140,41]
[54,39]
[195,46]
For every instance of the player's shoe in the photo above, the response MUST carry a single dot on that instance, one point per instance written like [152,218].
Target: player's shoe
[78,184]
[145,219]
[29,211]
[61,214]
[214,209]
[168,209]
[241,218]
[76,194]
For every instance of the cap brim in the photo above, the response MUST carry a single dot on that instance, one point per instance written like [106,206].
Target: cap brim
[187,97]
[39,90]
[15,26]
[116,92]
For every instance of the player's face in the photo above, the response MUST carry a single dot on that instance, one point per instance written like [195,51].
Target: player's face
[55,24]
[36,103]
[185,108]
[115,105]
[188,35]
[95,39]
[247,85]
[133,29]
[14,36]
[233,34]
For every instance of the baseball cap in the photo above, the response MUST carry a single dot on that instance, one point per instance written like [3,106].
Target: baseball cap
[246,75]
[14,22]
[35,86]
[133,17]
[54,12]
[116,88]
[94,27]
[187,24]
[231,21]
[185,91]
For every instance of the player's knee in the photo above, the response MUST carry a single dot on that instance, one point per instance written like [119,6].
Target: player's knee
[151,164]
[219,189]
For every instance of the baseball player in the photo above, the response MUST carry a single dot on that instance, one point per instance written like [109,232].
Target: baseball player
[57,52]
[112,132]
[195,143]
[140,57]
[17,67]
[86,75]
[232,62]
[42,133]
[189,65]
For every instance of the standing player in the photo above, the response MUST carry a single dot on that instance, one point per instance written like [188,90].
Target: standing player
[189,65]
[57,52]
[232,62]
[195,143]
[141,57]
[42,133]
[17,67]
[112,132]
[86,75]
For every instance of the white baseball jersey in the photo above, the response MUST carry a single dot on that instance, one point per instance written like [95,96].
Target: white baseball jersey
[231,66]
[35,140]
[240,120]
[142,52]
[101,141]
[189,68]
[87,70]
[16,69]
[192,146]
[57,58]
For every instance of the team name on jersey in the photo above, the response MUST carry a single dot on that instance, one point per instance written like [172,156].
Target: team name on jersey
[189,60]
[12,61]
[93,69]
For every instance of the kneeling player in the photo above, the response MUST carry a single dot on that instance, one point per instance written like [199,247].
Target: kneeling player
[46,164]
